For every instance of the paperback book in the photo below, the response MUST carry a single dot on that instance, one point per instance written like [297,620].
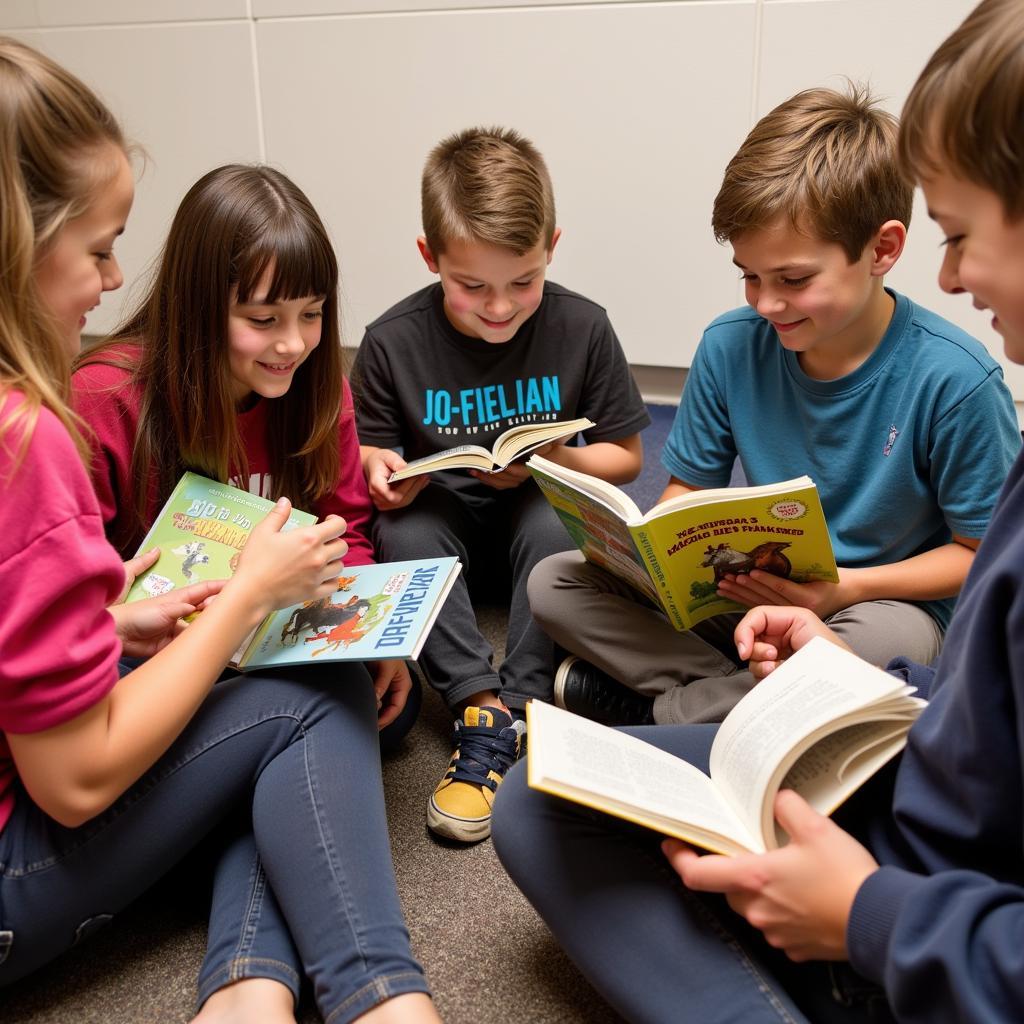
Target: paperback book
[509,446]
[375,612]
[678,552]
[821,724]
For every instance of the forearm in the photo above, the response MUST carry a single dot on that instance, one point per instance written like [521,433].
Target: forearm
[115,742]
[929,576]
[618,462]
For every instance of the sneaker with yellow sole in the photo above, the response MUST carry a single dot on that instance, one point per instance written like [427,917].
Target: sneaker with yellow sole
[487,743]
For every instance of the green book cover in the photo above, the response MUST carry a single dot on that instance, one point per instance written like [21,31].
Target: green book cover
[676,554]
[200,531]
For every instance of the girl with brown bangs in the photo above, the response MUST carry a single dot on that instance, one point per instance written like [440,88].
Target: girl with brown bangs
[231,367]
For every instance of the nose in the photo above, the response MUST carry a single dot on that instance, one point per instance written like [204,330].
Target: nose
[499,307]
[768,303]
[111,276]
[949,272]
[289,340]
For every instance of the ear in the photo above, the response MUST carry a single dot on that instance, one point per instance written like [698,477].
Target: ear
[887,247]
[428,256]
[555,236]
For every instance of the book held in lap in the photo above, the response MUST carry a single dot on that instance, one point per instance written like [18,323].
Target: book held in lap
[509,446]
[822,724]
[376,611]
[677,553]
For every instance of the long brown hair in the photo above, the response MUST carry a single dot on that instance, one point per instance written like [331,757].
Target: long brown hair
[235,223]
[55,142]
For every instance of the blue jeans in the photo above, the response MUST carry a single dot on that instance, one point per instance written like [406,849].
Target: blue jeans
[657,952]
[304,886]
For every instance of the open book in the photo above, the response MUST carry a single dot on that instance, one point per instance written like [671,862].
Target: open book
[822,724]
[677,553]
[507,447]
[376,612]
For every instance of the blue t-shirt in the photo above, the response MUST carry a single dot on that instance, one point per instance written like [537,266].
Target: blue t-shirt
[910,448]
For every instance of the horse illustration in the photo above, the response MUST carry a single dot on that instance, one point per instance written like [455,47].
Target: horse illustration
[727,561]
[347,632]
[320,615]
[192,555]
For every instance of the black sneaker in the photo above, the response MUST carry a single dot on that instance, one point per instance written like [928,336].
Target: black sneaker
[587,691]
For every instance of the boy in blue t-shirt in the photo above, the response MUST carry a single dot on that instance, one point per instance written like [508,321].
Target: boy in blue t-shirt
[490,346]
[902,420]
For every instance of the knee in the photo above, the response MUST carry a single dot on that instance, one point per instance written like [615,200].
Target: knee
[545,586]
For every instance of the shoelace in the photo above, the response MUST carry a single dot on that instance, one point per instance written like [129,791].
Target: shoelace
[481,750]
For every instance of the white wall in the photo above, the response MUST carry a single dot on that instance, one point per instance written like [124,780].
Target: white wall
[637,107]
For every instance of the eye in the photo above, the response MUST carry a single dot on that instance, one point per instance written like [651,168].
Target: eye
[748,277]
[522,284]
[314,314]
[261,321]
[472,287]
[103,257]
[796,282]
[952,241]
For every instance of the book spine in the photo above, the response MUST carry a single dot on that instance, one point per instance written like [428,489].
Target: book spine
[646,548]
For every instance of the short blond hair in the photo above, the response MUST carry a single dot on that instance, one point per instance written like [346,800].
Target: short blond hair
[487,185]
[965,113]
[827,161]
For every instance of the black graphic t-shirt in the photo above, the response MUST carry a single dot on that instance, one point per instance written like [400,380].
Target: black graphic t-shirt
[422,386]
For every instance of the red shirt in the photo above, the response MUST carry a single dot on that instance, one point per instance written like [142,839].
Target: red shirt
[109,403]
[58,647]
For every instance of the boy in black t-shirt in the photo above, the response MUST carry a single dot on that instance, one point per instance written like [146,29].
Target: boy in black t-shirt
[490,346]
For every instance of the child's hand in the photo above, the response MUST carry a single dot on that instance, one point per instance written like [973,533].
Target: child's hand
[379,466]
[145,627]
[760,587]
[513,475]
[135,567]
[392,682]
[799,896]
[768,635]
[282,567]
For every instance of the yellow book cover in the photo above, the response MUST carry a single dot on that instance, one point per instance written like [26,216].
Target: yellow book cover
[678,552]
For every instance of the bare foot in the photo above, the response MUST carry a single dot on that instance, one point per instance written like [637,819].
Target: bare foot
[248,1000]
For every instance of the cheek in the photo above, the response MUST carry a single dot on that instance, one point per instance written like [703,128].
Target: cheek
[460,301]
[243,343]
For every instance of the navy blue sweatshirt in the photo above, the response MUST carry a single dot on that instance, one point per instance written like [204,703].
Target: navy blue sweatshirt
[941,924]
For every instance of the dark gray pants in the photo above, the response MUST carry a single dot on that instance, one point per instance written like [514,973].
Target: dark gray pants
[693,676]
[499,537]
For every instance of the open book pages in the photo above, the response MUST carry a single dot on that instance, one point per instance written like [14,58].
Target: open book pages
[507,447]
[822,724]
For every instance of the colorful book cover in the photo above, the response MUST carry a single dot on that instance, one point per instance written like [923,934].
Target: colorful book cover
[376,612]
[200,531]
[677,553]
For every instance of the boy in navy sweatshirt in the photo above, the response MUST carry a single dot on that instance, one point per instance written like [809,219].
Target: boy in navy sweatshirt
[910,905]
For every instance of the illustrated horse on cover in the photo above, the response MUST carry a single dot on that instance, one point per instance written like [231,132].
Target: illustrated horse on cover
[727,561]
[320,614]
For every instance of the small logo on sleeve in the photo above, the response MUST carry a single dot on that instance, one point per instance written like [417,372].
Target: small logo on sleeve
[890,440]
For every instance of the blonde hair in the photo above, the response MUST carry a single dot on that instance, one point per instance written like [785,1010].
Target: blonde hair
[487,185]
[825,160]
[53,136]
[965,112]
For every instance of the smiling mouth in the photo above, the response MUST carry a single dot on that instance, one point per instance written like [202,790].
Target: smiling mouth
[498,323]
[278,367]
[787,327]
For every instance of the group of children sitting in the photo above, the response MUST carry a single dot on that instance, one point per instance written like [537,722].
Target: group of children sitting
[125,743]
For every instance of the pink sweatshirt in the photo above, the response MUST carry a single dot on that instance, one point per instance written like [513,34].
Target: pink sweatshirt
[58,647]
